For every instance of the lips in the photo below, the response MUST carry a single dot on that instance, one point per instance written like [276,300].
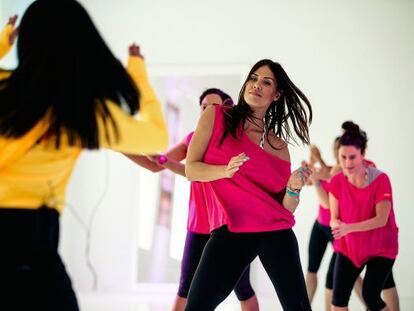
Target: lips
[255,93]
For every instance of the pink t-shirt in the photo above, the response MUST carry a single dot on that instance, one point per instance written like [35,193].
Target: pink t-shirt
[247,201]
[358,204]
[197,210]
[324,214]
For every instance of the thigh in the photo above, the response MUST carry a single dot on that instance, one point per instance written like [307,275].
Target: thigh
[225,257]
[389,282]
[377,271]
[317,246]
[193,249]
[279,254]
[345,275]
[55,286]
[32,275]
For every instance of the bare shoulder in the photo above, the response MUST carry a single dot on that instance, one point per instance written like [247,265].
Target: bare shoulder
[280,147]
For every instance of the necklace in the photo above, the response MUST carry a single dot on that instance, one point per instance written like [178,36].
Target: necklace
[262,139]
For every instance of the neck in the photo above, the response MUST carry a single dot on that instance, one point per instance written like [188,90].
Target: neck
[259,113]
[359,177]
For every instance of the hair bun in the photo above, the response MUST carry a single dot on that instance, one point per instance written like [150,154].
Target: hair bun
[349,126]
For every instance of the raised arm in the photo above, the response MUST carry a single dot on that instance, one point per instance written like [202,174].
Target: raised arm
[8,35]
[148,134]
[317,176]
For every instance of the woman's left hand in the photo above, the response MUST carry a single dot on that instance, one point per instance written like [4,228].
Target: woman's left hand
[340,230]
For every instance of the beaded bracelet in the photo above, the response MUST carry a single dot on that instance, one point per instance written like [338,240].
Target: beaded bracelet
[292,193]
[161,159]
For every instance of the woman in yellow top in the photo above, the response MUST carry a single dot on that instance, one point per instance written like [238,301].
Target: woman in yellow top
[67,93]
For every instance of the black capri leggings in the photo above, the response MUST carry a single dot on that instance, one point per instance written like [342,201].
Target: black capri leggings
[193,249]
[345,274]
[227,254]
[389,282]
[32,275]
[320,237]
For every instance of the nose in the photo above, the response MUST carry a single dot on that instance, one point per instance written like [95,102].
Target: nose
[256,85]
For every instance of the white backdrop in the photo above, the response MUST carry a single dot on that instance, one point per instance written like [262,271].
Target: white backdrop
[353,60]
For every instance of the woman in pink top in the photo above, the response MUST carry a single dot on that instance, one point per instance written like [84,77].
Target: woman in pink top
[242,157]
[198,226]
[363,223]
[321,231]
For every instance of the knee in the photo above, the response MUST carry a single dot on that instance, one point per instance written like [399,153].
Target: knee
[372,299]
[244,293]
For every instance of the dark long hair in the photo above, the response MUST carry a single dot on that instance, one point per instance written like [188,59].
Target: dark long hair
[353,136]
[287,109]
[66,67]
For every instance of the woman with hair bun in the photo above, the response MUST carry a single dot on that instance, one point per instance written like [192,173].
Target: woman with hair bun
[363,223]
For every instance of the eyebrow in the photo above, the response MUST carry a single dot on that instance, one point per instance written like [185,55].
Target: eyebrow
[270,78]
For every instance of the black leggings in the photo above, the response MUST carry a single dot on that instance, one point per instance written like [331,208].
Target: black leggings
[319,239]
[193,249]
[345,275]
[32,275]
[227,254]
[389,282]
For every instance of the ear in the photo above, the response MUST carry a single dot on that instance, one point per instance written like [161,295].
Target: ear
[277,96]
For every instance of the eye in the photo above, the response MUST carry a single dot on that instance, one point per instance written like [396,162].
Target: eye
[253,78]
[267,82]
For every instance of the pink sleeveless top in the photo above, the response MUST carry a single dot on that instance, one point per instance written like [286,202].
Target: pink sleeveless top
[324,214]
[247,202]
[358,204]
[197,210]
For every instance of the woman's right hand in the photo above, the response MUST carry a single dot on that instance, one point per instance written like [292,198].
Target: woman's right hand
[334,223]
[234,164]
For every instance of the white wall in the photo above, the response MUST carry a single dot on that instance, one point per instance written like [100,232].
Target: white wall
[353,59]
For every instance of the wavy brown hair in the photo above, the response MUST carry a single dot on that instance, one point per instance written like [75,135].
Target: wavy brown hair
[291,110]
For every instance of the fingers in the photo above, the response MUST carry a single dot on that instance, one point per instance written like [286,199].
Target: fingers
[135,50]
[238,160]
[235,163]
[304,173]
[12,20]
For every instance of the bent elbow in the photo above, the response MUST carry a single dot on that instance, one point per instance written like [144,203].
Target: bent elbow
[189,173]
[383,222]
